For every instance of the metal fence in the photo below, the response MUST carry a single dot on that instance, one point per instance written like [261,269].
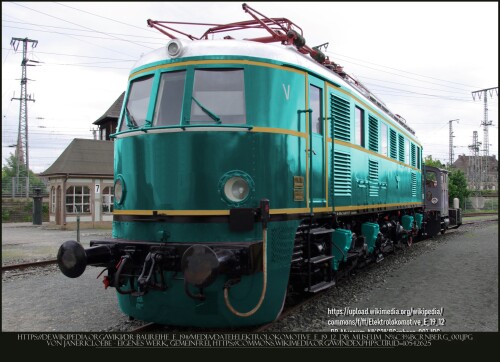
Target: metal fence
[481,204]
[20,187]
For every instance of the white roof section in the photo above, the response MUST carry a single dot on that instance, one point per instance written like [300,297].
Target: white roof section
[273,51]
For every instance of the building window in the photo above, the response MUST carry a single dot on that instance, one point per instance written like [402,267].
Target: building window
[107,199]
[78,200]
[53,200]
[358,126]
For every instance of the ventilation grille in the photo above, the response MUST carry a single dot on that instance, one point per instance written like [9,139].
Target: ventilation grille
[373,134]
[394,145]
[373,177]
[341,174]
[413,155]
[413,184]
[279,244]
[340,109]
[401,148]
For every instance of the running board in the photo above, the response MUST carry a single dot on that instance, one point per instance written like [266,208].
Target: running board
[319,259]
[320,286]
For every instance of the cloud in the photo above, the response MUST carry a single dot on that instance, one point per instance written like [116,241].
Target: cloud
[422,59]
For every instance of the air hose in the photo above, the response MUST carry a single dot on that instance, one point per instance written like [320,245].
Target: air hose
[264,282]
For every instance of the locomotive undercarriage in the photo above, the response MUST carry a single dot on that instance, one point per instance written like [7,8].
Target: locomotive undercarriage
[136,267]
[312,260]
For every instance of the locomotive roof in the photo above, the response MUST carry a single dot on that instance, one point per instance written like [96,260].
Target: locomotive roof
[286,54]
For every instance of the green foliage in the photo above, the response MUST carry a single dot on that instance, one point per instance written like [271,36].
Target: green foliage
[428,161]
[10,170]
[457,186]
[5,215]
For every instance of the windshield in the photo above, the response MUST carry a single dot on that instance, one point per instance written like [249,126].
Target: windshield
[169,103]
[136,108]
[218,96]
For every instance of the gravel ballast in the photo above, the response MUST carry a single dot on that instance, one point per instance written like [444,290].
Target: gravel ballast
[455,273]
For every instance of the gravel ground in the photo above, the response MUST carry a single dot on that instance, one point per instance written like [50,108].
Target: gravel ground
[25,242]
[457,272]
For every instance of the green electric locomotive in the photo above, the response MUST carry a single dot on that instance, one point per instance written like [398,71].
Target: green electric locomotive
[246,171]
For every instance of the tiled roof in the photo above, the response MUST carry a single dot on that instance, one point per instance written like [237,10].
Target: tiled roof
[84,157]
[113,112]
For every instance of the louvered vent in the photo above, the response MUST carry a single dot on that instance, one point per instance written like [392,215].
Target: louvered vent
[373,177]
[413,155]
[413,184]
[373,134]
[340,109]
[394,145]
[401,148]
[341,174]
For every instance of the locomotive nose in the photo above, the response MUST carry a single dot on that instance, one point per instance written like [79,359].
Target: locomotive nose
[72,259]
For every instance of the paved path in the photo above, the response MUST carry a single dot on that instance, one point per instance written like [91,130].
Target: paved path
[28,242]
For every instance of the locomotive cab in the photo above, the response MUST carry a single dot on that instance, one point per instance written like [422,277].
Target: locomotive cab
[440,216]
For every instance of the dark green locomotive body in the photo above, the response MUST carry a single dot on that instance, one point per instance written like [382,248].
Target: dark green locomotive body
[238,166]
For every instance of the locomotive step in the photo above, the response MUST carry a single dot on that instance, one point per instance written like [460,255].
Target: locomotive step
[320,286]
[321,231]
[319,259]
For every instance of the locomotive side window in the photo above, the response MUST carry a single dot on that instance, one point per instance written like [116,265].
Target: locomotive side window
[407,151]
[136,108]
[218,96]
[359,115]
[430,179]
[169,101]
[383,139]
[315,105]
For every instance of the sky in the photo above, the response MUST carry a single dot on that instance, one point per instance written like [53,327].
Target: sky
[422,59]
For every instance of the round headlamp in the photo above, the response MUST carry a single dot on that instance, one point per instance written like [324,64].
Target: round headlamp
[119,190]
[434,200]
[236,187]
[174,48]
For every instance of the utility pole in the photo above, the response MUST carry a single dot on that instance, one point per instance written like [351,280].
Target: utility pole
[451,139]
[485,123]
[22,150]
[474,168]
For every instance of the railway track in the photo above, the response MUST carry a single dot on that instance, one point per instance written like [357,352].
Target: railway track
[22,266]
[42,263]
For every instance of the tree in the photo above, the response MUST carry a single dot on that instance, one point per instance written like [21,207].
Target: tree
[435,163]
[457,186]
[10,170]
